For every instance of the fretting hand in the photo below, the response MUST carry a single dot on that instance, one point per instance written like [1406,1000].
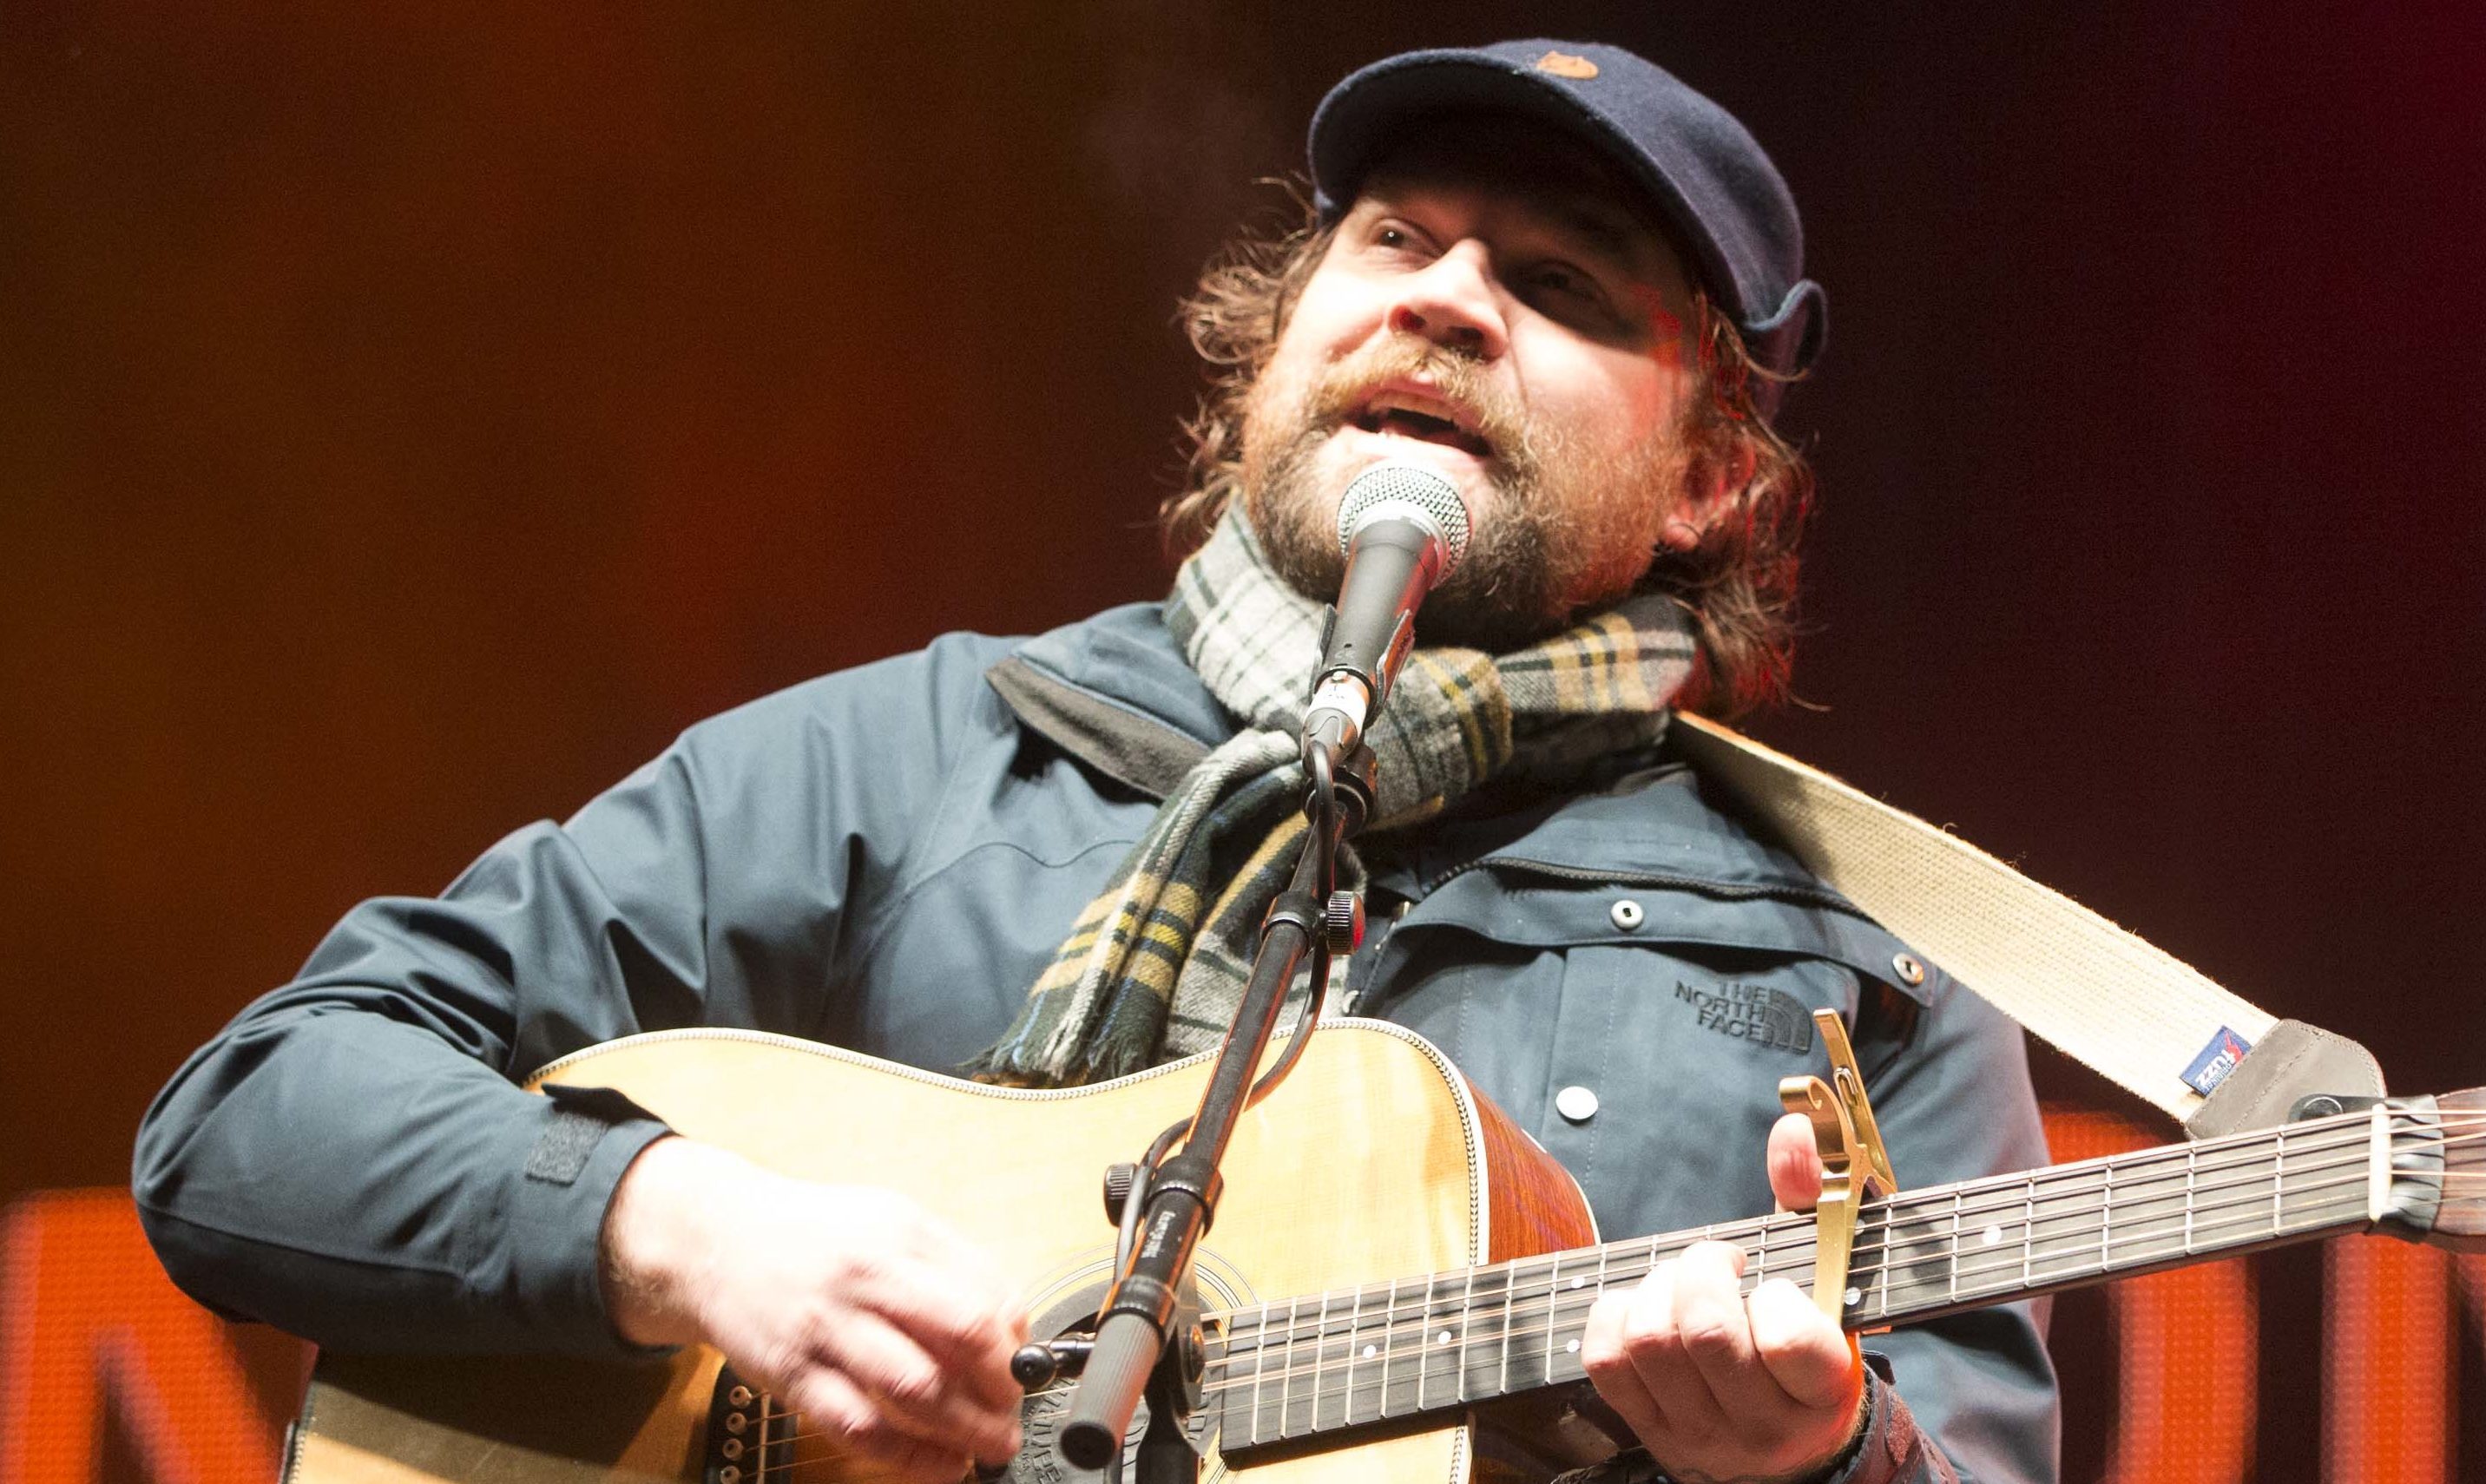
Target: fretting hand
[1721,1387]
[889,1332]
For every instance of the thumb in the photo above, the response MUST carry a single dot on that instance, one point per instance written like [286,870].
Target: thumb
[1795,1166]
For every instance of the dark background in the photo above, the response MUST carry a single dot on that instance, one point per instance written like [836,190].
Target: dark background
[409,422]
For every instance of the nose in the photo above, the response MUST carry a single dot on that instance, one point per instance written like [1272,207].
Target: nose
[1450,302]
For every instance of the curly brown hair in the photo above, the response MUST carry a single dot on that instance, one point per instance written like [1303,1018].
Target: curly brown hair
[1738,583]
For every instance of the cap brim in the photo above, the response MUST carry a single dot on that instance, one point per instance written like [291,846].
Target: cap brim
[1376,110]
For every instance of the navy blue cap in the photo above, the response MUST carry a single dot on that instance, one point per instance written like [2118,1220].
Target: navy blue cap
[1705,175]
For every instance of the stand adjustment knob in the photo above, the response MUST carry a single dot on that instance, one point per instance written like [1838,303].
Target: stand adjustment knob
[1036,1366]
[1119,1180]
[1343,922]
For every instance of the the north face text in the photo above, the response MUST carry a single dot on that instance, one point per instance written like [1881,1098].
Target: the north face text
[1751,1012]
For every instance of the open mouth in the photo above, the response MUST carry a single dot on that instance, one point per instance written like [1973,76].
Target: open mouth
[1397,413]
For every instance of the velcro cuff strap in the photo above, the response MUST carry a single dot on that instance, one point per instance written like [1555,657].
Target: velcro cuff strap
[581,1118]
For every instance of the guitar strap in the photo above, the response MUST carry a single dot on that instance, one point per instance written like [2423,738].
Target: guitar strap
[2132,1012]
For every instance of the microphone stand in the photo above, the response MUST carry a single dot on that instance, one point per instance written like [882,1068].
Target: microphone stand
[1137,1335]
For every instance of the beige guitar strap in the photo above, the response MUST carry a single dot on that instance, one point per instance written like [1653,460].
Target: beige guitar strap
[2136,1014]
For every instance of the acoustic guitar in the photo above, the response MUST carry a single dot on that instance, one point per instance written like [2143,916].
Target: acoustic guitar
[1395,1269]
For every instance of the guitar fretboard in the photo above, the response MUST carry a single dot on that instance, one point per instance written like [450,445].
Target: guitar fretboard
[1385,1352]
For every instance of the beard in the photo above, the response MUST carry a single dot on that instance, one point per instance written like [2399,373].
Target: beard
[1565,529]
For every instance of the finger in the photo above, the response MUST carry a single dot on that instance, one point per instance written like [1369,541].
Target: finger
[969,1334]
[1794,1164]
[828,1404]
[1610,1367]
[980,1367]
[1813,1360]
[1717,1331]
[978,1362]
[982,1313]
[913,1395]
[1655,1340]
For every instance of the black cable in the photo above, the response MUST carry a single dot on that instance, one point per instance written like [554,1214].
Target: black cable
[1321,803]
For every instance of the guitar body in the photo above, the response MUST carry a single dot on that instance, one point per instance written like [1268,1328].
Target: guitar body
[1373,1160]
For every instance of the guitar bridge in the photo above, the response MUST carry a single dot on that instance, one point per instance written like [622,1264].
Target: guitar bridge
[747,1434]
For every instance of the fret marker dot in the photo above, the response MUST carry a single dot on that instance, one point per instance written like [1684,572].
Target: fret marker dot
[1853,1296]
[1369,1351]
[1444,1336]
[1993,1234]
[1579,1283]
[1571,1347]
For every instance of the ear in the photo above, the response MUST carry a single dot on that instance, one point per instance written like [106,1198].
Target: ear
[1714,493]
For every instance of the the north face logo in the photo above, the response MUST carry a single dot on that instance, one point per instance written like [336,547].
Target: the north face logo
[1751,1012]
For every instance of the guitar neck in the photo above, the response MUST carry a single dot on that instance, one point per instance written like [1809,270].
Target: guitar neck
[1291,1369]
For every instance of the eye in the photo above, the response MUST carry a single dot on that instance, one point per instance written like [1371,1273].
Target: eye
[1571,294]
[1392,237]
[1562,278]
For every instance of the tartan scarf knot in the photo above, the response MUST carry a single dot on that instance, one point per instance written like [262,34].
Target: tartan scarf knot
[1155,966]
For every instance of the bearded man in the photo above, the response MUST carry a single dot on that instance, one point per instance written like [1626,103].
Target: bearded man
[1548,271]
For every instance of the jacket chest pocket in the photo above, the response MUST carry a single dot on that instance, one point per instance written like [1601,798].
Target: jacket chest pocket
[1639,1036]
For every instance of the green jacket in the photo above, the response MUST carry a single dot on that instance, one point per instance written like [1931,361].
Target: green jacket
[885,857]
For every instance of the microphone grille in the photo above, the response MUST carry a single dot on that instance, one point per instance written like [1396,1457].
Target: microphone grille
[1406,492]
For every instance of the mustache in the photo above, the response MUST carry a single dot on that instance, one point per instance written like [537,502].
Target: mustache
[1342,389]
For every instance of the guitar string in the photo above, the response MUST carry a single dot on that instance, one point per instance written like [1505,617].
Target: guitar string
[2014,1197]
[1802,1230]
[2142,1230]
[1345,1387]
[1875,1235]
[1573,1308]
[1927,1246]
[2139,1233]
[1341,1390]
[2356,1124]
[2343,1198]
[1398,1399]
[1887,1216]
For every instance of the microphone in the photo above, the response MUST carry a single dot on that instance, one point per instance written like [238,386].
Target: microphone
[1403,528]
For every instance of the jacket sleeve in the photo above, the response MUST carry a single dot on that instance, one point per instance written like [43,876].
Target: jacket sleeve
[351,1158]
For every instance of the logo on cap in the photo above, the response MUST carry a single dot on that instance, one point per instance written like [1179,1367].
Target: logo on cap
[1563,64]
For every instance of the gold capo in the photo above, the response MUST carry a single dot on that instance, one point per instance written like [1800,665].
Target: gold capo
[1854,1164]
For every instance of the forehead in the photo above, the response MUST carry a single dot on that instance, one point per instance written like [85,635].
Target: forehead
[1506,157]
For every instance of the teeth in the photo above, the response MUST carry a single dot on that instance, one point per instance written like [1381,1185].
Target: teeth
[1414,418]
[1392,402]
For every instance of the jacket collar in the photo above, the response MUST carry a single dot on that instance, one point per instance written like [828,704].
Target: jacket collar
[1115,691]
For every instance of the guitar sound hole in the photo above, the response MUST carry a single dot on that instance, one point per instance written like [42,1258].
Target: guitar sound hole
[751,1439]
[1039,1460]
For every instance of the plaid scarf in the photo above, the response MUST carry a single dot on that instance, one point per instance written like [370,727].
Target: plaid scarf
[1156,965]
